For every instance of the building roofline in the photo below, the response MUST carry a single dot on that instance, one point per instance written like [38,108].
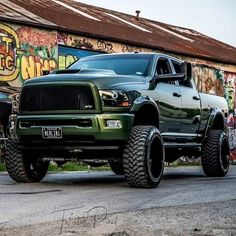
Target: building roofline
[115,40]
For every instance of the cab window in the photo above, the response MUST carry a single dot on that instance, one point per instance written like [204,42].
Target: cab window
[163,67]
[177,67]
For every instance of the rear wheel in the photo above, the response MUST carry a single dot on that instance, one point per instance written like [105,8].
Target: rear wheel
[2,142]
[144,157]
[22,167]
[215,154]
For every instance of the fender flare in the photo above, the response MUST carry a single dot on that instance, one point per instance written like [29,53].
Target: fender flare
[143,101]
[214,114]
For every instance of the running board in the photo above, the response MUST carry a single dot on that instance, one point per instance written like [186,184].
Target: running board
[182,145]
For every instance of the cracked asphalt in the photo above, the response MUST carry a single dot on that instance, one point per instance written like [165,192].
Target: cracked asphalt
[101,203]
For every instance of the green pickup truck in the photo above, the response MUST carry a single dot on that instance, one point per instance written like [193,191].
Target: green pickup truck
[134,110]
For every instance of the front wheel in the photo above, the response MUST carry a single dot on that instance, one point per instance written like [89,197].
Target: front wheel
[22,167]
[215,154]
[143,158]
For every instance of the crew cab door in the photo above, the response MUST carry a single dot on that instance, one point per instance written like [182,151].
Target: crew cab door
[169,98]
[191,113]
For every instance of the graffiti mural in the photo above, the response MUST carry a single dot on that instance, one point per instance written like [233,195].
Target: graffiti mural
[68,55]
[128,48]
[221,83]
[217,82]
[209,80]
[105,46]
[25,52]
[97,44]
[9,46]
[230,83]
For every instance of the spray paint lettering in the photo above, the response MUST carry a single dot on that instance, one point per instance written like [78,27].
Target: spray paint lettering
[9,43]
[25,52]
[32,67]
[66,60]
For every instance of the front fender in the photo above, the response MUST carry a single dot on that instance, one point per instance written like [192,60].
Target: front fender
[143,101]
[216,120]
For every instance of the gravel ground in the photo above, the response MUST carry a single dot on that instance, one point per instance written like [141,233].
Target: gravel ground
[100,203]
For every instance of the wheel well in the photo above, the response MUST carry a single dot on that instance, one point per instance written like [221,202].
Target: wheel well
[147,115]
[218,123]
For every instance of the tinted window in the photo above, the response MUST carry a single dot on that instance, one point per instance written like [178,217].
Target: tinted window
[163,67]
[177,67]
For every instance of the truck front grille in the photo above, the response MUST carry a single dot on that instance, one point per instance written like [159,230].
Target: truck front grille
[39,98]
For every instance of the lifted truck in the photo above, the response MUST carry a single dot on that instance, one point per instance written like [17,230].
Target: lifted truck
[133,110]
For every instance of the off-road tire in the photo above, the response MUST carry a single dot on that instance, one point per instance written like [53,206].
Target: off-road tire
[215,154]
[2,142]
[143,158]
[117,167]
[23,168]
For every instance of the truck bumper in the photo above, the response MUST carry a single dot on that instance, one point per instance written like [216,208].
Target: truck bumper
[85,135]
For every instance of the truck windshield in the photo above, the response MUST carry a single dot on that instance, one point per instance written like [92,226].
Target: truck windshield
[136,64]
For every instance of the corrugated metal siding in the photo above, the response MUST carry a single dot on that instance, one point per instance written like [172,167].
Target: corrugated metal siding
[161,36]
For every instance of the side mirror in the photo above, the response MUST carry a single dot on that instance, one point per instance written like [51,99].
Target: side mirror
[185,74]
[186,67]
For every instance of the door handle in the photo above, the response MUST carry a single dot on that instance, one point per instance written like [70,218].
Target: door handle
[176,95]
[196,98]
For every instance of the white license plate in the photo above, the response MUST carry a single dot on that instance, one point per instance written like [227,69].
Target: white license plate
[52,132]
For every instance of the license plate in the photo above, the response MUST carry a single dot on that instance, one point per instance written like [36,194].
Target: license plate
[52,132]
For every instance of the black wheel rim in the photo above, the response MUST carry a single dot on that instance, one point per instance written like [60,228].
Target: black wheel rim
[155,158]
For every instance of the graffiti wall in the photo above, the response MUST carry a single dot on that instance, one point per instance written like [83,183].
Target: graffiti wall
[96,44]
[216,82]
[25,52]
[68,55]
[209,80]
[230,84]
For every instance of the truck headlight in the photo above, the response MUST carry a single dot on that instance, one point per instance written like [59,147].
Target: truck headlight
[114,98]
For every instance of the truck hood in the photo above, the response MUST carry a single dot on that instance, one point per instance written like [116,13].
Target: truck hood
[102,81]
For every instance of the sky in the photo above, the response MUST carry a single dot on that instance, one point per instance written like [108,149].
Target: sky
[215,18]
